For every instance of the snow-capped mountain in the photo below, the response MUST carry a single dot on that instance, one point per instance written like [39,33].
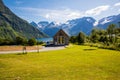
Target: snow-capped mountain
[42,24]
[46,27]
[73,27]
[105,22]
[85,24]
[51,29]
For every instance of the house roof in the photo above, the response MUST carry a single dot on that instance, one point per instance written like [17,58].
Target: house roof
[61,31]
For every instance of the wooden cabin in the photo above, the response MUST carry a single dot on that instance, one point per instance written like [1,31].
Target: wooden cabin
[61,38]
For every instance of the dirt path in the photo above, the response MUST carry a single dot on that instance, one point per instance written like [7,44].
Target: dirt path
[40,50]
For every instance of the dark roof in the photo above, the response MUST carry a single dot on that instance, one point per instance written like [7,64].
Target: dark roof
[61,30]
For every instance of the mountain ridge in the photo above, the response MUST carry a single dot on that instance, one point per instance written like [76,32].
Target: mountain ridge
[12,26]
[84,24]
[71,27]
[106,21]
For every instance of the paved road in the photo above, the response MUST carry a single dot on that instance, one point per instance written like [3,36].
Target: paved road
[40,50]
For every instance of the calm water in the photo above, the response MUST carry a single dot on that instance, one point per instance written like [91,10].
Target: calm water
[45,39]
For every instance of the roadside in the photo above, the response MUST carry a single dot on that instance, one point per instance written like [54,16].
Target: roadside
[41,49]
[18,48]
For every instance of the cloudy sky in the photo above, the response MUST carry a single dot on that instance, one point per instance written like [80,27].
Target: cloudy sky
[62,10]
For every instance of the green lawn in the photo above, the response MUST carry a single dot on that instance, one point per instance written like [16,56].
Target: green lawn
[73,63]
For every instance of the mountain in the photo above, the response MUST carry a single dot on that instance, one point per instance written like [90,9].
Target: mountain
[34,24]
[73,27]
[12,26]
[51,29]
[105,22]
[40,25]
[43,24]
[84,24]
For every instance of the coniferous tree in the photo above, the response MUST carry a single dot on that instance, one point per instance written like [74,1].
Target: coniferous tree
[81,38]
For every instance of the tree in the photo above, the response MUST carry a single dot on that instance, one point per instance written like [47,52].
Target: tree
[73,39]
[111,32]
[32,42]
[20,41]
[104,39]
[81,38]
[1,41]
[102,36]
[94,37]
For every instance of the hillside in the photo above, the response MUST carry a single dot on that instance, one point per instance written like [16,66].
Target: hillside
[12,26]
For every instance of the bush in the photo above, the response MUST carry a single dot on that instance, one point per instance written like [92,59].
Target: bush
[6,42]
[32,42]
[73,39]
[20,41]
[40,43]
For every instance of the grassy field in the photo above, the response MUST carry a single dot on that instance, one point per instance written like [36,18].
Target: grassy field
[73,63]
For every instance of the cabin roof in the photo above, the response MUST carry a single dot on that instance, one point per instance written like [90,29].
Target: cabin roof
[61,31]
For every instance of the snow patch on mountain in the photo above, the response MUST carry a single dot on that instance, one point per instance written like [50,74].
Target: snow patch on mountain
[89,20]
[96,23]
[105,21]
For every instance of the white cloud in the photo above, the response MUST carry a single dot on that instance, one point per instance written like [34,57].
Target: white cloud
[54,15]
[47,16]
[119,10]
[98,10]
[117,4]
[62,15]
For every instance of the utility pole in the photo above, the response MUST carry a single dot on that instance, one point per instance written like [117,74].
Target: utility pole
[38,44]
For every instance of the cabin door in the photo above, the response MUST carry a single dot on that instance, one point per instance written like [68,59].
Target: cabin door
[62,40]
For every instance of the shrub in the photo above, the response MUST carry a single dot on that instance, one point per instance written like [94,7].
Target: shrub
[32,42]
